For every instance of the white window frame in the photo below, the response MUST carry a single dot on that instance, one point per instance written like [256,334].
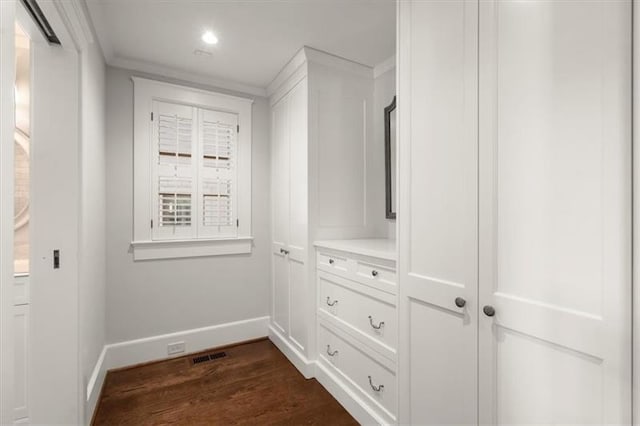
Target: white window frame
[144,246]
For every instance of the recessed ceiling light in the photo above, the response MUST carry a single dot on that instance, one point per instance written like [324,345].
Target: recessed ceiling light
[209,38]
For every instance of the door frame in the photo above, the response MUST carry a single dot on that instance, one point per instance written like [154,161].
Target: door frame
[635,220]
[70,20]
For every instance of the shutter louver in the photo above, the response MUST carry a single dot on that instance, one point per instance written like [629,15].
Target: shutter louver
[175,171]
[218,173]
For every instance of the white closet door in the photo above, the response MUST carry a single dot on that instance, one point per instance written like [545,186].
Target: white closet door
[438,211]
[555,212]
[280,211]
[298,216]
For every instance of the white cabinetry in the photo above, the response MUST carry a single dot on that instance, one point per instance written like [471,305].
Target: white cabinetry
[514,212]
[357,326]
[321,112]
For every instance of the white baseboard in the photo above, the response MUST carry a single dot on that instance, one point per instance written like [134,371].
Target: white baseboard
[132,352]
[348,399]
[306,367]
[94,387]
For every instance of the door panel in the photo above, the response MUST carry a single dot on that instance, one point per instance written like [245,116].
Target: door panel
[280,211]
[438,212]
[54,218]
[555,185]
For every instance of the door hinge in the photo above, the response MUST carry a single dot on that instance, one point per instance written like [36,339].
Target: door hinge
[152,116]
[238,127]
[238,223]
[151,223]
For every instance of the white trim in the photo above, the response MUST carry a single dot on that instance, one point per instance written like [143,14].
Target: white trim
[7,110]
[635,347]
[151,68]
[384,66]
[145,92]
[308,54]
[94,386]
[173,249]
[132,352]
[77,22]
[306,367]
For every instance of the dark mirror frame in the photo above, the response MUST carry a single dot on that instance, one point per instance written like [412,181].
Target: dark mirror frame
[387,157]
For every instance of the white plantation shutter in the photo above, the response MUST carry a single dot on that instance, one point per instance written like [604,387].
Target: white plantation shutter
[218,181]
[175,171]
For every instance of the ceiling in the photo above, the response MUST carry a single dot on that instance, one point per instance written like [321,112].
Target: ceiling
[257,37]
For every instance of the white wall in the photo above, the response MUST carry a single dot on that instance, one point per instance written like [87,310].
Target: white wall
[149,298]
[383,92]
[92,287]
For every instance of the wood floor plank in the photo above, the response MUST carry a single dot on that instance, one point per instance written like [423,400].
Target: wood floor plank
[253,384]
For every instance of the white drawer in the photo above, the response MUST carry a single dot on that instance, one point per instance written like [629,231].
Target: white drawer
[371,312]
[372,272]
[333,263]
[372,378]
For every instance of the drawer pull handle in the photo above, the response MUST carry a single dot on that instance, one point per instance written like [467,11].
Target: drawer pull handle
[375,388]
[283,251]
[377,327]
[330,353]
[374,273]
[331,261]
[330,303]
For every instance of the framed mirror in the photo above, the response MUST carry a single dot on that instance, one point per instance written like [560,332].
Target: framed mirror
[390,158]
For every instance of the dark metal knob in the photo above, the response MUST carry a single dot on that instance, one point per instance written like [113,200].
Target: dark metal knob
[374,273]
[331,261]
[489,311]
[460,302]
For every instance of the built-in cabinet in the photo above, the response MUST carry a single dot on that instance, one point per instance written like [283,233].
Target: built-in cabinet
[357,328]
[321,121]
[514,212]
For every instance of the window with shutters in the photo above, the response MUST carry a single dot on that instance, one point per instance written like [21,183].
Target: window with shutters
[192,165]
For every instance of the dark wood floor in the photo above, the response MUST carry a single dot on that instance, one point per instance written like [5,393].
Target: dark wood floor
[253,384]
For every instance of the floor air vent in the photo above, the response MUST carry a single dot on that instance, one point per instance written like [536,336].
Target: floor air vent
[208,357]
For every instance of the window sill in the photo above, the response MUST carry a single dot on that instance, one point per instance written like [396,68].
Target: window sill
[175,249]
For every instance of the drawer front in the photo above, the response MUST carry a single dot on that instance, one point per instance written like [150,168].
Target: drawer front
[367,272]
[335,264]
[371,312]
[370,273]
[372,378]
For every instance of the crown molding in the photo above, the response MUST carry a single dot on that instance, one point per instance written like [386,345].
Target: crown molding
[161,70]
[384,66]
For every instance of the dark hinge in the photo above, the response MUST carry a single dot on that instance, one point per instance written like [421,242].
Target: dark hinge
[151,223]
[238,222]
[151,116]
[238,126]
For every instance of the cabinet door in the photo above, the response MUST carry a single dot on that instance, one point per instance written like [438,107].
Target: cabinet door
[555,212]
[438,211]
[298,215]
[280,212]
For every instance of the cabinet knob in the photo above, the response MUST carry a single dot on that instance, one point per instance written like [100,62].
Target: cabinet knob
[460,302]
[374,273]
[489,311]
[331,261]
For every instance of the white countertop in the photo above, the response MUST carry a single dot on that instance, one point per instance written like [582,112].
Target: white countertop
[375,247]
